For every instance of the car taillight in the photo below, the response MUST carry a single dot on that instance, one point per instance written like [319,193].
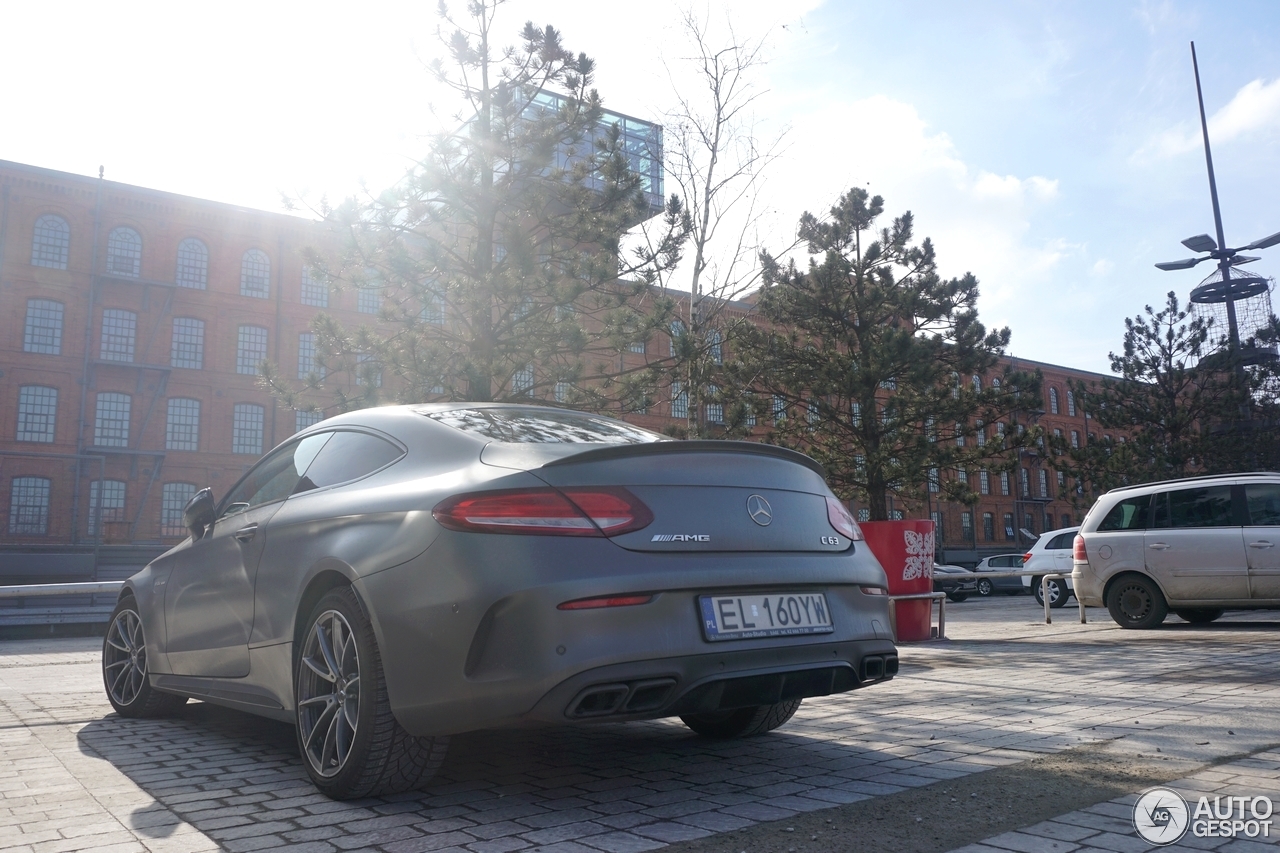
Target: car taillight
[1025,557]
[609,601]
[598,511]
[1077,549]
[842,521]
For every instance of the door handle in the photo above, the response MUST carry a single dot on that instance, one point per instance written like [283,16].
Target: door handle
[1262,543]
[1158,546]
[244,534]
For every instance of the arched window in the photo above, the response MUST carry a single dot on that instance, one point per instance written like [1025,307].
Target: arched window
[995,384]
[193,264]
[124,252]
[255,274]
[1071,403]
[715,343]
[50,242]
[173,499]
[677,332]
[977,384]
[1053,401]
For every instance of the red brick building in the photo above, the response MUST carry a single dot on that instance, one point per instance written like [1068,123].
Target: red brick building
[133,324]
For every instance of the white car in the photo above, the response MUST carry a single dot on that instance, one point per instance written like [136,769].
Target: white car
[1050,555]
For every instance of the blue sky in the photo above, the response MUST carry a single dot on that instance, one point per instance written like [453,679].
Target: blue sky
[1051,148]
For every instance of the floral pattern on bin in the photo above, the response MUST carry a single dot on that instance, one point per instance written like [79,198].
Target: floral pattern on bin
[919,555]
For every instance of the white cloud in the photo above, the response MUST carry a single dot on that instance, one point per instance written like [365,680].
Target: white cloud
[1256,106]
[1101,268]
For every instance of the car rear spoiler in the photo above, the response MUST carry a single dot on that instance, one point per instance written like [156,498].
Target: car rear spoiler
[662,448]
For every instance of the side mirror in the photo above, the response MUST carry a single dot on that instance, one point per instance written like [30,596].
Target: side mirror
[197,515]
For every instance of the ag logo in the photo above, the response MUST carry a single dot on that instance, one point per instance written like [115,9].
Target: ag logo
[1160,816]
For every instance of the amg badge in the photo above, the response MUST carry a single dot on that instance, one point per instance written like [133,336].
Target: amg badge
[681,537]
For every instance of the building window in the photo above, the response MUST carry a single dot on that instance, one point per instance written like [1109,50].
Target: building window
[716,346]
[999,431]
[715,411]
[187,349]
[1024,479]
[1071,403]
[1075,438]
[855,413]
[305,420]
[939,530]
[988,527]
[251,349]
[307,356]
[1029,522]
[1066,520]
[966,525]
[369,300]
[562,391]
[37,413]
[106,503]
[749,402]
[1004,482]
[934,485]
[124,252]
[980,433]
[984,482]
[42,332]
[959,434]
[29,506]
[314,292]
[1044,483]
[193,264]
[779,410]
[173,500]
[51,242]
[182,428]
[432,310]
[679,401]
[1008,527]
[119,332]
[677,332]
[962,476]
[637,346]
[859,464]
[977,383]
[522,381]
[812,412]
[1062,480]
[255,274]
[111,420]
[246,428]
[864,515]
[1053,401]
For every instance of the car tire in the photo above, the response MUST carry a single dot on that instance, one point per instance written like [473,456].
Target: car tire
[1058,594]
[351,744]
[957,596]
[985,588]
[741,722]
[124,667]
[1135,601]
[1199,615]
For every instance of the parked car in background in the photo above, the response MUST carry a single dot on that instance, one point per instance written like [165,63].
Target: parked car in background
[393,576]
[957,582]
[1050,555]
[1000,563]
[1195,546]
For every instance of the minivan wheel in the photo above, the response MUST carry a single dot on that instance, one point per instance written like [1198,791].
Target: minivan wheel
[1199,615]
[1058,592]
[742,722]
[1135,601]
[350,742]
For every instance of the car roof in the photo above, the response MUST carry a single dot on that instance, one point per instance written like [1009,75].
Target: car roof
[1198,479]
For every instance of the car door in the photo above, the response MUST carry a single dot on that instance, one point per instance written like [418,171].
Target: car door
[1262,540]
[1195,548]
[208,600]
[1060,547]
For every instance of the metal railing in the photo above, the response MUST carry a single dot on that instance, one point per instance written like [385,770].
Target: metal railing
[940,597]
[38,589]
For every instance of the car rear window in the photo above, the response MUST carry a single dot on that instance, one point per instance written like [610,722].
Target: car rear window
[542,426]
[1129,514]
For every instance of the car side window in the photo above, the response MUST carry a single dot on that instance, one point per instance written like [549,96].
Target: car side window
[1129,514]
[348,456]
[275,477]
[1208,506]
[1061,542]
[1263,500]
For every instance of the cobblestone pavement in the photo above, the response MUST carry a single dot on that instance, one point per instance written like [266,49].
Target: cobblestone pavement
[1109,826]
[1004,688]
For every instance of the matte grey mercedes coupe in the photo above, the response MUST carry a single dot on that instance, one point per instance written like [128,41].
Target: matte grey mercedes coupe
[393,576]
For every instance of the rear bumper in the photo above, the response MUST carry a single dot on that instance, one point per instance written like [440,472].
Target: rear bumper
[1086,586]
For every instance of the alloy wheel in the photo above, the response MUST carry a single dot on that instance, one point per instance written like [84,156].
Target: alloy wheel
[329,693]
[125,661]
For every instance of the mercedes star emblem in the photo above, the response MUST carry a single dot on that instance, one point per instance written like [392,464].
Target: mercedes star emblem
[759,510]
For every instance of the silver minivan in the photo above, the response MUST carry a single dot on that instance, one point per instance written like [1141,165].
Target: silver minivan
[1195,546]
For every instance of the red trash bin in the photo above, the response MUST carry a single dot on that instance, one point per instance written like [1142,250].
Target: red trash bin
[905,550]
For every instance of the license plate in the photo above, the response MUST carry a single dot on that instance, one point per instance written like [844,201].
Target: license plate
[738,617]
